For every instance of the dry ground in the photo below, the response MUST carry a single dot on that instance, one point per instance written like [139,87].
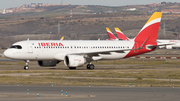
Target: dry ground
[138,72]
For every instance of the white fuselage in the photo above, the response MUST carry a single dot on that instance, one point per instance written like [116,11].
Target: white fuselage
[57,49]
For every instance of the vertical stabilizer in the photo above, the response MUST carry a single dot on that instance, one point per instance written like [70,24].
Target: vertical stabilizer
[120,34]
[147,36]
[111,35]
[150,29]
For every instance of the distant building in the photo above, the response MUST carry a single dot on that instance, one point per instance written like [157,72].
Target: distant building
[54,4]
[25,6]
[40,4]
[4,11]
[131,9]
[33,5]
[164,3]
[9,10]
[155,5]
[170,11]
[46,5]
[64,4]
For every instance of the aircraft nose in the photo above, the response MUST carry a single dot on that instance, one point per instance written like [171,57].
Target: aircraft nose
[7,53]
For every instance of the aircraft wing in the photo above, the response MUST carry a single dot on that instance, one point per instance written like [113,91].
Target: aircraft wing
[160,44]
[96,53]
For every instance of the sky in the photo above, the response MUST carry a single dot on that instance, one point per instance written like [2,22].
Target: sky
[16,3]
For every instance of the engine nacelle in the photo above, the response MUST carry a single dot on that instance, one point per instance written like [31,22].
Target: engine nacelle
[74,60]
[169,47]
[48,63]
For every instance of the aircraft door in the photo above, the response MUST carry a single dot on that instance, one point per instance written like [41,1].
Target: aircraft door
[30,47]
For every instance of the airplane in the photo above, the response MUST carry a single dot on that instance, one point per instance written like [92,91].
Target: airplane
[175,44]
[76,53]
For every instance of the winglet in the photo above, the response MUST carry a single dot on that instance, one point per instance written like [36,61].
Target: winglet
[62,38]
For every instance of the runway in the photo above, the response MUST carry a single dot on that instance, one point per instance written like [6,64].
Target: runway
[19,93]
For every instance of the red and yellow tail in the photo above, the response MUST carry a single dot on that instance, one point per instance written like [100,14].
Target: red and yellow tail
[150,29]
[146,39]
[120,34]
[111,35]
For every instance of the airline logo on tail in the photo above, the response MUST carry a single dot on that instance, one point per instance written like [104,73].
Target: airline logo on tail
[152,26]
[111,35]
[120,34]
[146,39]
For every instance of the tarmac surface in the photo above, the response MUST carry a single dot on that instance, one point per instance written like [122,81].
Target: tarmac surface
[77,93]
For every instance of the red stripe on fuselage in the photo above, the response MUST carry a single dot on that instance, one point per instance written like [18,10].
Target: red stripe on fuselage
[140,51]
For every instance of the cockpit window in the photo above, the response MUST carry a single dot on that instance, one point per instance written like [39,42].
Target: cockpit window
[16,47]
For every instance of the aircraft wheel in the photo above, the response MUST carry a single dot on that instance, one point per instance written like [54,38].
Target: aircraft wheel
[91,66]
[26,67]
[88,66]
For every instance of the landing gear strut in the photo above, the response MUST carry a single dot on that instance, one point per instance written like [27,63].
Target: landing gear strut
[90,66]
[26,67]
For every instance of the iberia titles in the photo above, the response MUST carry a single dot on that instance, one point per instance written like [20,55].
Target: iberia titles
[50,44]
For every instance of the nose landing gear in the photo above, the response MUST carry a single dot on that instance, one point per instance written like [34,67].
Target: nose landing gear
[26,67]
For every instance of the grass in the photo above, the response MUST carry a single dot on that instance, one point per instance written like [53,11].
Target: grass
[108,78]
[82,82]
[138,72]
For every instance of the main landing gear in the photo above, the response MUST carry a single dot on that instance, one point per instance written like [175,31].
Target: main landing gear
[90,66]
[26,67]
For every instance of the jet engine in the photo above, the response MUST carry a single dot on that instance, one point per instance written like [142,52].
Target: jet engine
[48,63]
[169,47]
[74,60]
